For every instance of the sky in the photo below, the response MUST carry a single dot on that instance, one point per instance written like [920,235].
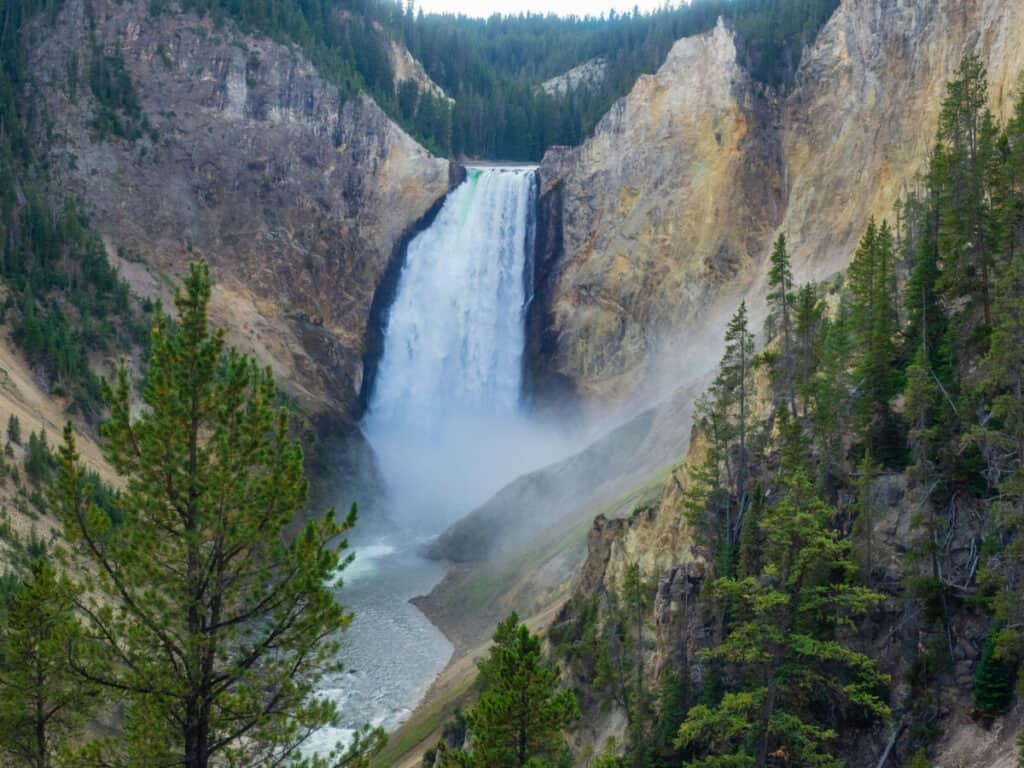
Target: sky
[561,7]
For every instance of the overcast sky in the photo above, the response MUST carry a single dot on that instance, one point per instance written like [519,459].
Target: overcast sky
[561,7]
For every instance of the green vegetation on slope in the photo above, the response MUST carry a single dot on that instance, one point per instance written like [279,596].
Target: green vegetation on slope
[62,298]
[913,369]
[921,376]
[493,68]
[195,616]
[521,714]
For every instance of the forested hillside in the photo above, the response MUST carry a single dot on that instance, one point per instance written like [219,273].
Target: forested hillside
[852,511]
[854,501]
[62,299]
[492,68]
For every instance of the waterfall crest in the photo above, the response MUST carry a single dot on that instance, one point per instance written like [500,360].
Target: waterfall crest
[449,381]
[454,336]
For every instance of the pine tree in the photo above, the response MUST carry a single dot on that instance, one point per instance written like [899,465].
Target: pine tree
[521,714]
[832,388]
[926,320]
[993,680]
[636,601]
[708,491]
[1005,439]
[809,327]
[872,281]
[39,461]
[44,706]
[673,703]
[717,493]
[731,391]
[14,429]
[198,613]
[967,144]
[780,318]
[782,647]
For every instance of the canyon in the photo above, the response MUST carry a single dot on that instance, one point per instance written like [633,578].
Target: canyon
[644,238]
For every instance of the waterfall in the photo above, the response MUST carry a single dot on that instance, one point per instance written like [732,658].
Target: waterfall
[444,414]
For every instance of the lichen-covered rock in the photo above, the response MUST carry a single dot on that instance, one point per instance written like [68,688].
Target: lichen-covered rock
[296,195]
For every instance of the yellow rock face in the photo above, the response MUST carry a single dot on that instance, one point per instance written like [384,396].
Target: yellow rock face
[861,122]
[668,212]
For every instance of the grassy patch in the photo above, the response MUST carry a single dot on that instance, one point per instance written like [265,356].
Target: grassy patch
[426,722]
[473,599]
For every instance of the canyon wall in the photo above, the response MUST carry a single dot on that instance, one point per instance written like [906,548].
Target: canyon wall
[665,206]
[295,193]
[662,221]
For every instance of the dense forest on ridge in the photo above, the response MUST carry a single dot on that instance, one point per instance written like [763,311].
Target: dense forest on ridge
[492,68]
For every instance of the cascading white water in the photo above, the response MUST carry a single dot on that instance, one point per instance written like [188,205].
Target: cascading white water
[448,384]
[454,338]
[445,423]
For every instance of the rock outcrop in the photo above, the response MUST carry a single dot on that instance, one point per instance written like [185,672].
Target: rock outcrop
[860,124]
[666,204]
[662,220]
[586,75]
[405,67]
[296,195]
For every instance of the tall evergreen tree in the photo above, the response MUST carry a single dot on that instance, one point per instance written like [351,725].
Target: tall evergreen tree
[14,429]
[44,706]
[993,680]
[872,287]
[926,320]
[782,649]
[708,493]
[809,328]
[209,624]
[636,600]
[521,714]
[780,318]
[832,388]
[731,391]
[966,148]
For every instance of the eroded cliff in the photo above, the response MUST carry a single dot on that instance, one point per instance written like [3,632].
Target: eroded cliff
[296,194]
[662,220]
[667,204]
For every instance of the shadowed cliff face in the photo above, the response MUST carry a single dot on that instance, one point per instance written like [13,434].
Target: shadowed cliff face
[666,215]
[295,196]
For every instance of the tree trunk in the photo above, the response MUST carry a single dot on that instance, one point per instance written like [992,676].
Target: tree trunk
[761,758]
[42,758]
